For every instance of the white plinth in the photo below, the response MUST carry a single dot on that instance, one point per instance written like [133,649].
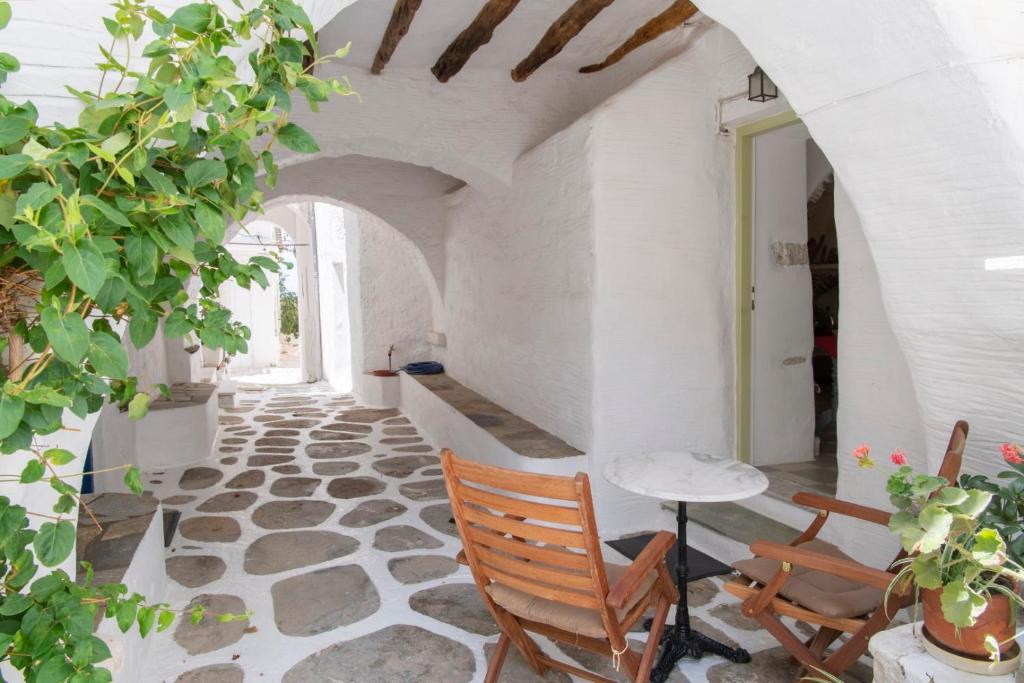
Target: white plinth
[172,434]
[901,658]
[379,392]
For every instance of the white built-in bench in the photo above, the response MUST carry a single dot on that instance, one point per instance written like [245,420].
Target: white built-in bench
[461,419]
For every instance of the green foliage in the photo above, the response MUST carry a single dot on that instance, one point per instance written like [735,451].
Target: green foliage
[951,547]
[1005,513]
[289,312]
[113,217]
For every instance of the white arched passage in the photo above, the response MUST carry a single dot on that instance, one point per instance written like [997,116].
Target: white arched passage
[363,286]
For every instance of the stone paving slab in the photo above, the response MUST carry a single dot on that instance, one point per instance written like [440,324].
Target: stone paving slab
[354,578]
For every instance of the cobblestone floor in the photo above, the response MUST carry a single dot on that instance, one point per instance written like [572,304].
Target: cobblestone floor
[328,522]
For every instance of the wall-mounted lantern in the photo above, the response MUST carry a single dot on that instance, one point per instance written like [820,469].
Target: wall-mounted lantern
[760,88]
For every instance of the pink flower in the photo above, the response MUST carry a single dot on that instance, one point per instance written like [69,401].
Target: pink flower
[1012,453]
[862,454]
[898,457]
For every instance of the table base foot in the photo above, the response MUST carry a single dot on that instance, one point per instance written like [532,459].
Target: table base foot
[677,643]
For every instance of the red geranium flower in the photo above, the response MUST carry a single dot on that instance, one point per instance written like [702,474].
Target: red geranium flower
[862,454]
[1012,453]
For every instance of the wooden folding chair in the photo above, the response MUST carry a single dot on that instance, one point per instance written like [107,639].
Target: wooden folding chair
[815,582]
[537,562]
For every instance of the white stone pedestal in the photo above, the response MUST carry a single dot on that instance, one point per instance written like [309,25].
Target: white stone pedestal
[901,658]
[379,392]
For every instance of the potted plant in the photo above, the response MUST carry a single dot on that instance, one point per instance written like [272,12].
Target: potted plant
[968,583]
[389,372]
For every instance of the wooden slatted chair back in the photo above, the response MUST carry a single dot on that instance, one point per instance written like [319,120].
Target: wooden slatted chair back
[535,533]
[951,462]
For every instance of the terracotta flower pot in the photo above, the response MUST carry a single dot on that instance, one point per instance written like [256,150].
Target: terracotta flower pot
[998,620]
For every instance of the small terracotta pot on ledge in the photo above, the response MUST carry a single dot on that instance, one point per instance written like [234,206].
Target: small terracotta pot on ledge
[383,373]
[998,619]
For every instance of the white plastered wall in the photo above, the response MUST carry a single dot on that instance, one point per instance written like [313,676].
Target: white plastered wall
[918,106]
[877,402]
[663,300]
[519,283]
[332,281]
[391,300]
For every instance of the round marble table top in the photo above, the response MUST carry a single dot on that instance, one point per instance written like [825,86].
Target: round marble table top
[689,477]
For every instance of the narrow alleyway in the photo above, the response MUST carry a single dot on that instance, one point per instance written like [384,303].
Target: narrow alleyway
[328,522]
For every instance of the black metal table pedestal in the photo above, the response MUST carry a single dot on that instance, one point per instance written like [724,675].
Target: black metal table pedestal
[679,640]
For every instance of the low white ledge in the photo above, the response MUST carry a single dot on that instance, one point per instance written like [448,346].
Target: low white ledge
[145,575]
[449,428]
[172,434]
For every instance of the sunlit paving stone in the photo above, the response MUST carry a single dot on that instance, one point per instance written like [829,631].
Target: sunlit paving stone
[195,570]
[294,487]
[323,600]
[395,539]
[212,634]
[212,529]
[248,479]
[284,550]
[199,478]
[230,501]
[420,568]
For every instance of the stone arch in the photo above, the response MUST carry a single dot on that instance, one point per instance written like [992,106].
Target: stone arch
[410,198]
[935,184]
[276,205]
[434,156]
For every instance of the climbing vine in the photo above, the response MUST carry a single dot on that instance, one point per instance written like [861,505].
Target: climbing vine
[111,232]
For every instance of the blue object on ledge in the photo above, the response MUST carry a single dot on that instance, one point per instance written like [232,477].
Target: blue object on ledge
[427,367]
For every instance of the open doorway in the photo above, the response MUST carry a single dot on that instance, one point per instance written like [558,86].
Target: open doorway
[289,343]
[789,336]
[272,356]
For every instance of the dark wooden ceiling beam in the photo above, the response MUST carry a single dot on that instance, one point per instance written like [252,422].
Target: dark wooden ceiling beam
[401,18]
[565,28]
[477,34]
[673,17]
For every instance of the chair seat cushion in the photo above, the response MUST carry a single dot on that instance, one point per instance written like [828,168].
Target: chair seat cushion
[824,593]
[578,620]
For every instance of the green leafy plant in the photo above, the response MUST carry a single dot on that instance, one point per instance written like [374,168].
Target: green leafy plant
[1005,513]
[950,548]
[289,312]
[104,227]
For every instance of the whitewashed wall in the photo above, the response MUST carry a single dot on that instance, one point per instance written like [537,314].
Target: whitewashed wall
[332,282]
[393,297]
[877,402]
[519,273]
[663,306]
